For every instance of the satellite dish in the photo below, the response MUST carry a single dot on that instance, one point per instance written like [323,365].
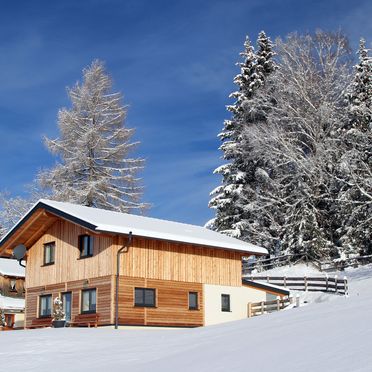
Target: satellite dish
[19,252]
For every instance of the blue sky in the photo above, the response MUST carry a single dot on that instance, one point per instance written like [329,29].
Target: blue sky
[174,61]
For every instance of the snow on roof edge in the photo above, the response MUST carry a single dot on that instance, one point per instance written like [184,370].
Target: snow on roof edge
[19,221]
[178,238]
[225,243]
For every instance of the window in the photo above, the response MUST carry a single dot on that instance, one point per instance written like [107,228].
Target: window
[193,300]
[86,246]
[45,309]
[144,297]
[88,301]
[12,285]
[49,249]
[225,302]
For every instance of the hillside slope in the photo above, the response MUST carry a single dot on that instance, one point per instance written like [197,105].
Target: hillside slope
[331,336]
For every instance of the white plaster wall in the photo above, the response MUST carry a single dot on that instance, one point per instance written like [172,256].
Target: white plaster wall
[239,298]
[19,320]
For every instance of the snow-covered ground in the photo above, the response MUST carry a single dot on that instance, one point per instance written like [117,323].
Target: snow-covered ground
[332,336]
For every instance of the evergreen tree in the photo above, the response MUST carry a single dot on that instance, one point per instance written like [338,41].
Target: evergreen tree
[227,199]
[93,148]
[257,224]
[355,195]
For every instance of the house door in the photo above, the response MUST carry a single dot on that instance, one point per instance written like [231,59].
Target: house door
[66,300]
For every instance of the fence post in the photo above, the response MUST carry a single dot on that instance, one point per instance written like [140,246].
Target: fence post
[297,300]
[336,289]
[285,281]
[249,309]
[262,307]
[346,289]
[277,303]
[305,281]
[326,282]
[268,279]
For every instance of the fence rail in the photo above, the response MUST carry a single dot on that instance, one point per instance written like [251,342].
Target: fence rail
[259,308]
[321,284]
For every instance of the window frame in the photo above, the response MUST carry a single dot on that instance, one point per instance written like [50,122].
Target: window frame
[40,307]
[196,307]
[90,247]
[227,309]
[49,245]
[82,301]
[144,304]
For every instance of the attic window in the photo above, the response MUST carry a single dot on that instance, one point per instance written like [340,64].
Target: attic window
[49,250]
[86,246]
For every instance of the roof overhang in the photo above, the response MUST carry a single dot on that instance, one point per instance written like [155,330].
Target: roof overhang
[32,225]
[42,215]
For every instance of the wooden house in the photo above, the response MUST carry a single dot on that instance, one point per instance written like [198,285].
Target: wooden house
[171,274]
[12,293]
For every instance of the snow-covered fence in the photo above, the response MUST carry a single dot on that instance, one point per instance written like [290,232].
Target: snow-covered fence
[259,308]
[311,283]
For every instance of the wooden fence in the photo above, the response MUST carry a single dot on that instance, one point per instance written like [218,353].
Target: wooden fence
[259,308]
[322,284]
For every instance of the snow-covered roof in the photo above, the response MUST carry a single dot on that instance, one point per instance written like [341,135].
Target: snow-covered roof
[123,223]
[10,303]
[11,268]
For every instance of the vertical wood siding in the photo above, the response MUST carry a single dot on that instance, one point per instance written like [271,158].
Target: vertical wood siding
[156,259]
[146,258]
[68,266]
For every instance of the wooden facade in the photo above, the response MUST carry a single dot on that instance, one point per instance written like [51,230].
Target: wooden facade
[11,286]
[103,285]
[146,258]
[172,269]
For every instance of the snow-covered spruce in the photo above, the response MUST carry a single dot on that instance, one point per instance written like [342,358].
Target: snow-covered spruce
[93,147]
[230,198]
[355,165]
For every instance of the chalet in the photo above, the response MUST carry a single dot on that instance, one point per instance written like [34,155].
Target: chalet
[170,274]
[12,293]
